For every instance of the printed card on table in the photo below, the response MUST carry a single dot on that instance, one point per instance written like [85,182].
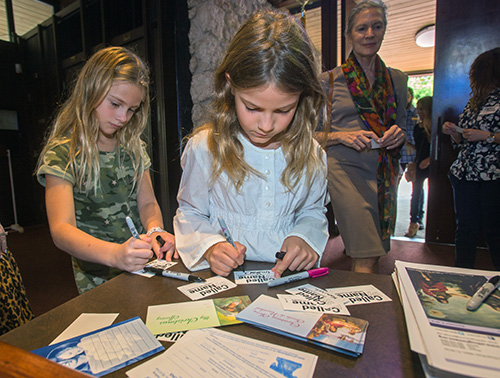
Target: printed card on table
[170,337]
[213,285]
[160,264]
[299,303]
[314,293]
[253,277]
[185,316]
[356,295]
[105,350]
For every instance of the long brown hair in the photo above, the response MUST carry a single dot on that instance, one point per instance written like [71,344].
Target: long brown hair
[77,123]
[271,47]
[425,103]
[484,76]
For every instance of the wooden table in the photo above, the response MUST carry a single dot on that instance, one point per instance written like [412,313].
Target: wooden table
[386,352]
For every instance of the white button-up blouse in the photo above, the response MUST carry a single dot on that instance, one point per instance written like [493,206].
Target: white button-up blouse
[260,216]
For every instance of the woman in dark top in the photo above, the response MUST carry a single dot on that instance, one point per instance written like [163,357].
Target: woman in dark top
[475,174]
[422,136]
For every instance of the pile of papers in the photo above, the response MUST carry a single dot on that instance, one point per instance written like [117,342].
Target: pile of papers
[306,312]
[315,315]
[449,338]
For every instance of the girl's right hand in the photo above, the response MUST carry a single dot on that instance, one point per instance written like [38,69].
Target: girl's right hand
[134,254]
[223,258]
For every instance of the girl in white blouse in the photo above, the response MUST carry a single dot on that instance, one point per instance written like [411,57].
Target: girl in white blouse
[256,164]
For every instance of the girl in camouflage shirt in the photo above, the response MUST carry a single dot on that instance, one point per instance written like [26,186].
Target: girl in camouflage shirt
[95,169]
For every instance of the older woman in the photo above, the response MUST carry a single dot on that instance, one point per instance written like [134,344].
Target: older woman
[475,174]
[367,116]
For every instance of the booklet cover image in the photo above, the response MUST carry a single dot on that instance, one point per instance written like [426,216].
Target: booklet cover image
[339,330]
[444,298]
[228,308]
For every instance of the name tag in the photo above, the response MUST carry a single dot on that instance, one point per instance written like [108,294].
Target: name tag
[489,110]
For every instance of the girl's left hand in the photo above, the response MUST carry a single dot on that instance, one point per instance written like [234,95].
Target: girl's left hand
[299,256]
[168,249]
[425,163]
[392,138]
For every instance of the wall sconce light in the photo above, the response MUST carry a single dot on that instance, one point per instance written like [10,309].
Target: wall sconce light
[425,36]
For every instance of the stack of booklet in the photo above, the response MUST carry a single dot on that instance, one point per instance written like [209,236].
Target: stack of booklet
[340,333]
[451,340]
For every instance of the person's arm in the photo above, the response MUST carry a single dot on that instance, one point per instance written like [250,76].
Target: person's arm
[199,241]
[475,135]
[449,128]
[394,137]
[129,256]
[306,242]
[151,218]
[358,140]
[425,163]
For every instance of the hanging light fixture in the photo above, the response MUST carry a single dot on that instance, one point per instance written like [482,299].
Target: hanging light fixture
[425,36]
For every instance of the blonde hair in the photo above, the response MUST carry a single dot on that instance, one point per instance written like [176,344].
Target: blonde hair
[77,122]
[269,48]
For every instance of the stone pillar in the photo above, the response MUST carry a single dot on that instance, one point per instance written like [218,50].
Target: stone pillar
[213,24]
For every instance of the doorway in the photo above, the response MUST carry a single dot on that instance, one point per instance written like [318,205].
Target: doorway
[422,86]
[403,214]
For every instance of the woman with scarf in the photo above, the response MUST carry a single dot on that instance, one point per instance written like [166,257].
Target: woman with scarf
[367,117]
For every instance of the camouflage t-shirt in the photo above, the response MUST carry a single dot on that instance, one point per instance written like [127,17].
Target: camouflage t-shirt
[101,214]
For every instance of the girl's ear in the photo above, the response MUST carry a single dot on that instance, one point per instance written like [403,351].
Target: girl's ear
[228,79]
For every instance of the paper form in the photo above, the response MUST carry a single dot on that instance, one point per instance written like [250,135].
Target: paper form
[85,323]
[212,352]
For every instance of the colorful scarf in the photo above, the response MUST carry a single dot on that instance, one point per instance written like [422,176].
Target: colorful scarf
[377,109]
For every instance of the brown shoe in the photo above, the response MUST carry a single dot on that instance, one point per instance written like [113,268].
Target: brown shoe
[412,230]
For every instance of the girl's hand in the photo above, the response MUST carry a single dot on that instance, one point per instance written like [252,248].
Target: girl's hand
[392,138]
[223,258]
[299,256]
[132,255]
[168,249]
[359,140]
[425,163]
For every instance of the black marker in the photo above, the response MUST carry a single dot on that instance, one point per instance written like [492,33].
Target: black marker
[483,292]
[161,242]
[280,255]
[177,275]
